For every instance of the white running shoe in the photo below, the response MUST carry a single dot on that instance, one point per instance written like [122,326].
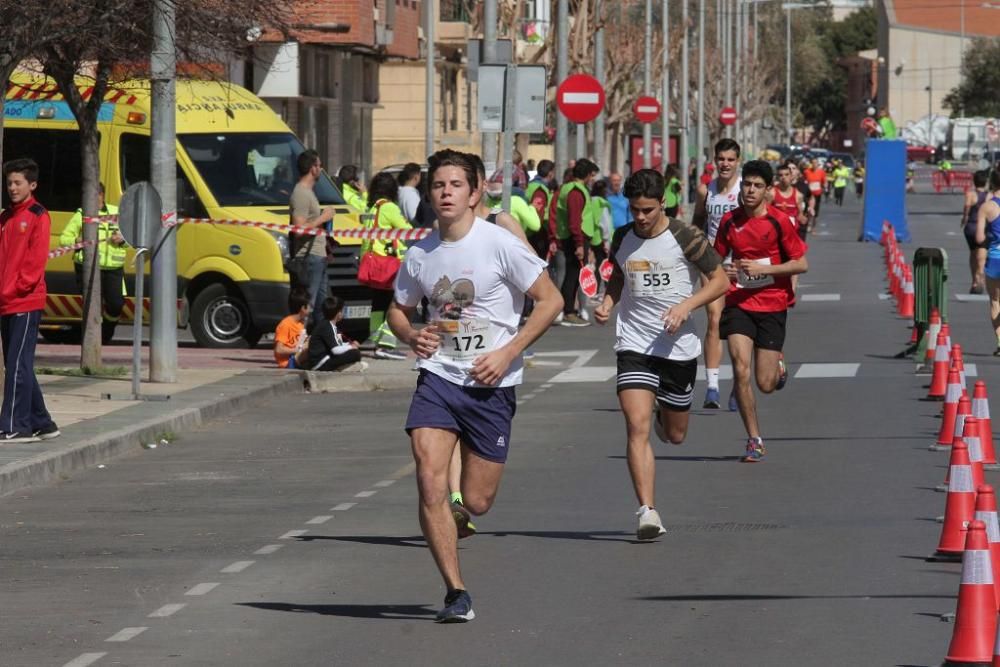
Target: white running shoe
[650,526]
[658,426]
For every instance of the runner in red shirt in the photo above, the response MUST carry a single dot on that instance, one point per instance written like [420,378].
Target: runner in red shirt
[790,201]
[766,251]
[815,177]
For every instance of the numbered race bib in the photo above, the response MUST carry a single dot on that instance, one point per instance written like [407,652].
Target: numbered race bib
[649,279]
[464,340]
[744,281]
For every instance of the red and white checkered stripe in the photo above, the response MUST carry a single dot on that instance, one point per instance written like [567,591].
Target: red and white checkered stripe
[171,220]
[62,250]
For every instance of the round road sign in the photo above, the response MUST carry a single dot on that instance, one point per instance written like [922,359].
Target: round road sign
[727,116]
[646,109]
[580,98]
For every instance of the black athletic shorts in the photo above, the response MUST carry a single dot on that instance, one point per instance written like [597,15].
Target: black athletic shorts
[766,330]
[671,381]
[969,231]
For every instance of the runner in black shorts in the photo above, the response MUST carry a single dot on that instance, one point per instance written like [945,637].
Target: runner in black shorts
[654,260]
[766,253]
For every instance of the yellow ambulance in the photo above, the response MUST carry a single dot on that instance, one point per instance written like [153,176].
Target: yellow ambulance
[236,160]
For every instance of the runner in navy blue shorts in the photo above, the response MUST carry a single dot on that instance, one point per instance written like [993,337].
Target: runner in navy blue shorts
[475,277]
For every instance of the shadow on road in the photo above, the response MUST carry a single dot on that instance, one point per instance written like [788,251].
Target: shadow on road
[379,540]
[687,458]
[751,598]
[396,612]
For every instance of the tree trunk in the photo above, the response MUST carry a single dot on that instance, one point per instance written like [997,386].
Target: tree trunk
[90,351]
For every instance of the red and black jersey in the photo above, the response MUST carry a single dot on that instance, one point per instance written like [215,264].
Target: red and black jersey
[771,237]
[788,205]
[24,250]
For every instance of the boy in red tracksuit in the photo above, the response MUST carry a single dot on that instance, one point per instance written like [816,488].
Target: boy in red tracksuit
[24,249]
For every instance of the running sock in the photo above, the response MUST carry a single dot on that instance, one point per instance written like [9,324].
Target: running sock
[712,375]
[456,497]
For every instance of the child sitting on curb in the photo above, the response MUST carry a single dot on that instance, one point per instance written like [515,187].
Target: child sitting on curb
[290,339]
[328,349]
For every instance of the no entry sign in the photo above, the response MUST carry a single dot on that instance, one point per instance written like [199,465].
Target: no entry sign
[646,109]
[727,116]
[580,98]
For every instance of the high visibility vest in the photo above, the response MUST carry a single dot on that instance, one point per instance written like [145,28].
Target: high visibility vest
[534,186]
[354,198]
[385,215]
[562,210]
[109,255]
[592,223]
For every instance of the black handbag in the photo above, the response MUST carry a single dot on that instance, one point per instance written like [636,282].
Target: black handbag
[298,264]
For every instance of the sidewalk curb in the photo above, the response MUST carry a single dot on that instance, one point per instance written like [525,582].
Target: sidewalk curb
[53,465]
[320,382]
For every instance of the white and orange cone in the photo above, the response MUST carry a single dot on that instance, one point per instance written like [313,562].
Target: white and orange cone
[976,616]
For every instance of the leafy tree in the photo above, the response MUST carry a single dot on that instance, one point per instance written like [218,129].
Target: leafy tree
[980,72]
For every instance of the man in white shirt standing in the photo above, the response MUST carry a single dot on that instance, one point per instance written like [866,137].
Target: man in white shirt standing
[657,260]
[475,276]
[409,195]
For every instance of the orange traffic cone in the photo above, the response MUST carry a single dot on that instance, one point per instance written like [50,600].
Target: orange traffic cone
[981,411]
[946,328]
[959,506]
[970,434]
[947,433]
[905,307]
[986,511]
[939,381]
[956,358]
[976,616]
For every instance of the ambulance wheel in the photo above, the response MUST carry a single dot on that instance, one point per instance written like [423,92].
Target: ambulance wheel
[70,334]
[220,318]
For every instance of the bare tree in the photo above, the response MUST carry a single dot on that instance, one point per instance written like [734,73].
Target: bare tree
[110,43]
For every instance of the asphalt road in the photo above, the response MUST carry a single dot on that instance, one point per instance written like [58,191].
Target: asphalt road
[287,535]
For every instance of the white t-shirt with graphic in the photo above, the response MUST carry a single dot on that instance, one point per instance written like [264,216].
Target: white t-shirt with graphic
[717,204]
[659,272]
[476,288]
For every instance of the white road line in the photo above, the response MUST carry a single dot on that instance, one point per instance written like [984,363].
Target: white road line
[404,471]
[971,371]
[365,494]
[126,634]
[167,610]
[532,363]
[269,549]
[85,659]
[316,520]
[238,566]
[586,374]
[972,297]
[528,397]
[201,589]
[884,297]
[547,385]
[582,356]
[293,533]
[827,370]
[384,483]
[342,506]
[819,297]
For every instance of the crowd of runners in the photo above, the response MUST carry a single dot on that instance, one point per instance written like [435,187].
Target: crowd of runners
[737,260]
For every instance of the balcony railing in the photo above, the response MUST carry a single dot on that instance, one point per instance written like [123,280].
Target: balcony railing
[454,11]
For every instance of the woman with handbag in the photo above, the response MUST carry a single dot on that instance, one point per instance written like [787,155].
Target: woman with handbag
[380,260]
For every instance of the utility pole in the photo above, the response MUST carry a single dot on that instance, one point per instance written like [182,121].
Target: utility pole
[490,57]
[665,109]
[647,87]
[728,39]
[738,70]
[930,112]
[562,71]
[788,76]
[163,174]
[429,86]
[756,123]
[599,129]
[701,88]
[685,155]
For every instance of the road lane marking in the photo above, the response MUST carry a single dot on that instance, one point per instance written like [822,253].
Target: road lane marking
[365,494]
[582,356]
[384,483]
[293,533]
[819,297]
[238,566]
[404,471]
[201,589]
[971,371]
[168,610]
[342,506]
[269,549]
[126,634]
[586,374]
[972,297]
[317,520]
[85,659]
[528,397]
[827,371]
[547,385]
[884,297]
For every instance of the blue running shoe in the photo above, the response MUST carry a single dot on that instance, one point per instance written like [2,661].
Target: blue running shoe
[782,374]
[712,399]
[755,450]
[733,405]
[457,608]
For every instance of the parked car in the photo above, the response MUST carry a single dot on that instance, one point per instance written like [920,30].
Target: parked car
[920,153]
[845,158]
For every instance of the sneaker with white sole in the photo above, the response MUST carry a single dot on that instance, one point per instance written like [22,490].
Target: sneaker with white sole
[389,353]
[457,608]
[650,525]
[18,437]
[47,432]
[574,320]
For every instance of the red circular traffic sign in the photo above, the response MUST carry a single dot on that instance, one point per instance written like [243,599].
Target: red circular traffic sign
[727,116]
[646,109]
[580,98]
